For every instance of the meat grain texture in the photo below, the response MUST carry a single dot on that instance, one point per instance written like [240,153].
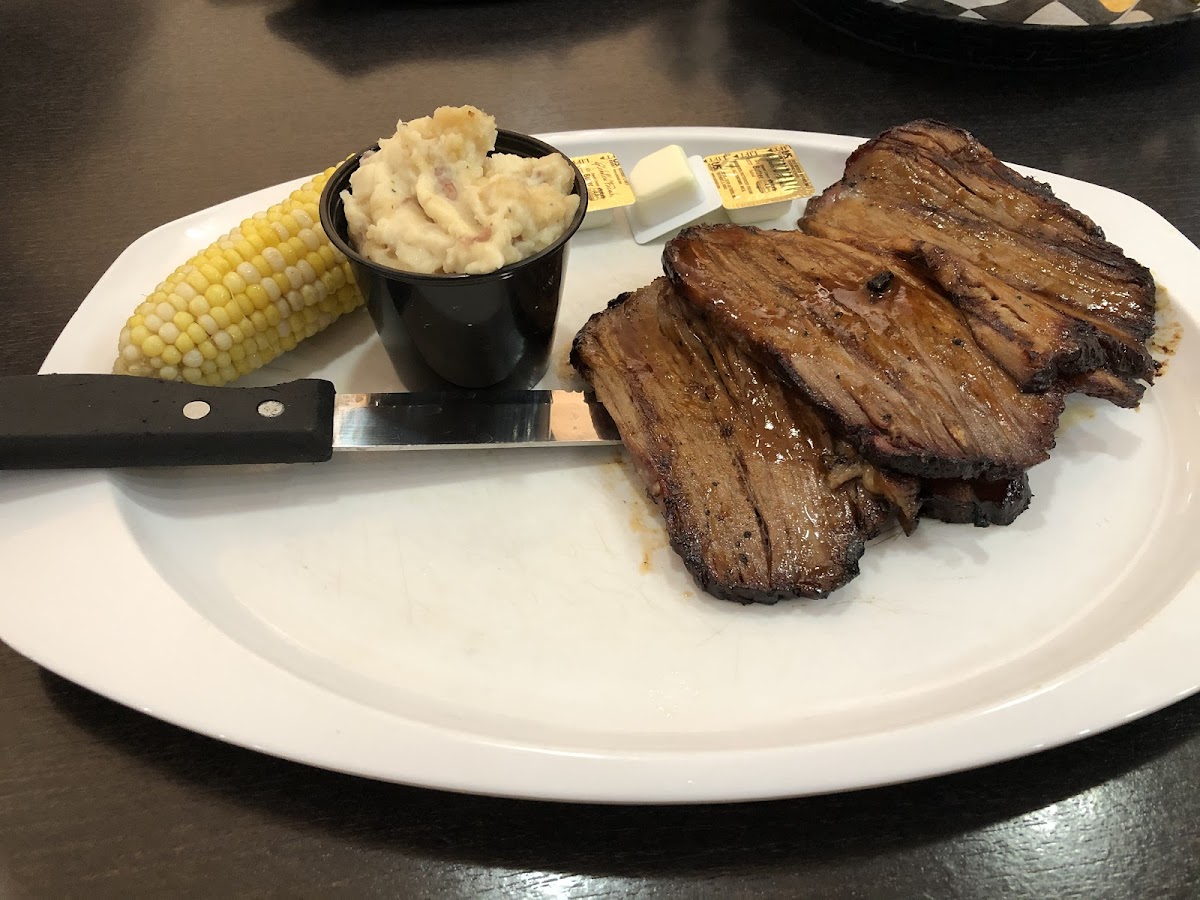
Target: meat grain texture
[899,370]
[761,501]
[1048,297]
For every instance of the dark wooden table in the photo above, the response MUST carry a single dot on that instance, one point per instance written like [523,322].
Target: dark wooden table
[119,116]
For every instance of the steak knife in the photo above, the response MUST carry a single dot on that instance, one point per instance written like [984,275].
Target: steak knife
[114,421]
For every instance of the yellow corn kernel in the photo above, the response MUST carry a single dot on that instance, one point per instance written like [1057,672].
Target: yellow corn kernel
[316,261]
[217,295]
[234,283]
[258,296]
[288,252]
[197,281]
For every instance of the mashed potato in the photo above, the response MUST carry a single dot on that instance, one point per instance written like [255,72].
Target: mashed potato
[431,200]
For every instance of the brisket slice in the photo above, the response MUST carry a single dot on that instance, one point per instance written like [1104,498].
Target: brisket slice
[1044,292]
[761,502]
[867,339]
[980,503]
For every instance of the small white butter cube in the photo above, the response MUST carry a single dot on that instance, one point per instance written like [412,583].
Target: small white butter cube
[761,213]
[664,185]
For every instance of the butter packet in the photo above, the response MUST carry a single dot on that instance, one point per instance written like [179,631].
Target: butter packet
[608,188]
[760,183]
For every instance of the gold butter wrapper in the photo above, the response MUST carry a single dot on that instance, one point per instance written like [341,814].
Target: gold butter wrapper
[755,177]
[608,188]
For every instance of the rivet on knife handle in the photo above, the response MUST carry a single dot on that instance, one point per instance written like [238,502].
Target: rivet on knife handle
[113,421]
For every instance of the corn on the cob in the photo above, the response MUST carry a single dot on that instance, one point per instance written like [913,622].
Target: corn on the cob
[253,294]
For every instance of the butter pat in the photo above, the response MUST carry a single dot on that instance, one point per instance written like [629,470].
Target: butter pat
[664,184]
[759,184]
[672,189]
[608,188]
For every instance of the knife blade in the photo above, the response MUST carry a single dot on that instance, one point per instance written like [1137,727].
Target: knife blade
[116,421]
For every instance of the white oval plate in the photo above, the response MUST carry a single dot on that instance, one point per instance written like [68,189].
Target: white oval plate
[513,623]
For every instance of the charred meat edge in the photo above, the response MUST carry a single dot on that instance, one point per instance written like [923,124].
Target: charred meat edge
[979,503]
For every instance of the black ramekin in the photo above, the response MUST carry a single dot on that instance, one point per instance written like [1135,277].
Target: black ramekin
[467,331]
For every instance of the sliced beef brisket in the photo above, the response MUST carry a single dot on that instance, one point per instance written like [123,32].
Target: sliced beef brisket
[889,358]
[761,501]
[1045,293]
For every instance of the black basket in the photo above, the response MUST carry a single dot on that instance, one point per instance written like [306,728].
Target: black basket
[929,35]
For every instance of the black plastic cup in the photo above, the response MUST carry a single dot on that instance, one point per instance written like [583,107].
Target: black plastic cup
[466,331]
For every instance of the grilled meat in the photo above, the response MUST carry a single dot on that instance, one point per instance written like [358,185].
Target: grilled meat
[906,352]
[761,501]
[898,369]
[980,503]
[1045,294]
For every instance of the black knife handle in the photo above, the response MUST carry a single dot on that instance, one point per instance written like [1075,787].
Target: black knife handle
[110,421]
